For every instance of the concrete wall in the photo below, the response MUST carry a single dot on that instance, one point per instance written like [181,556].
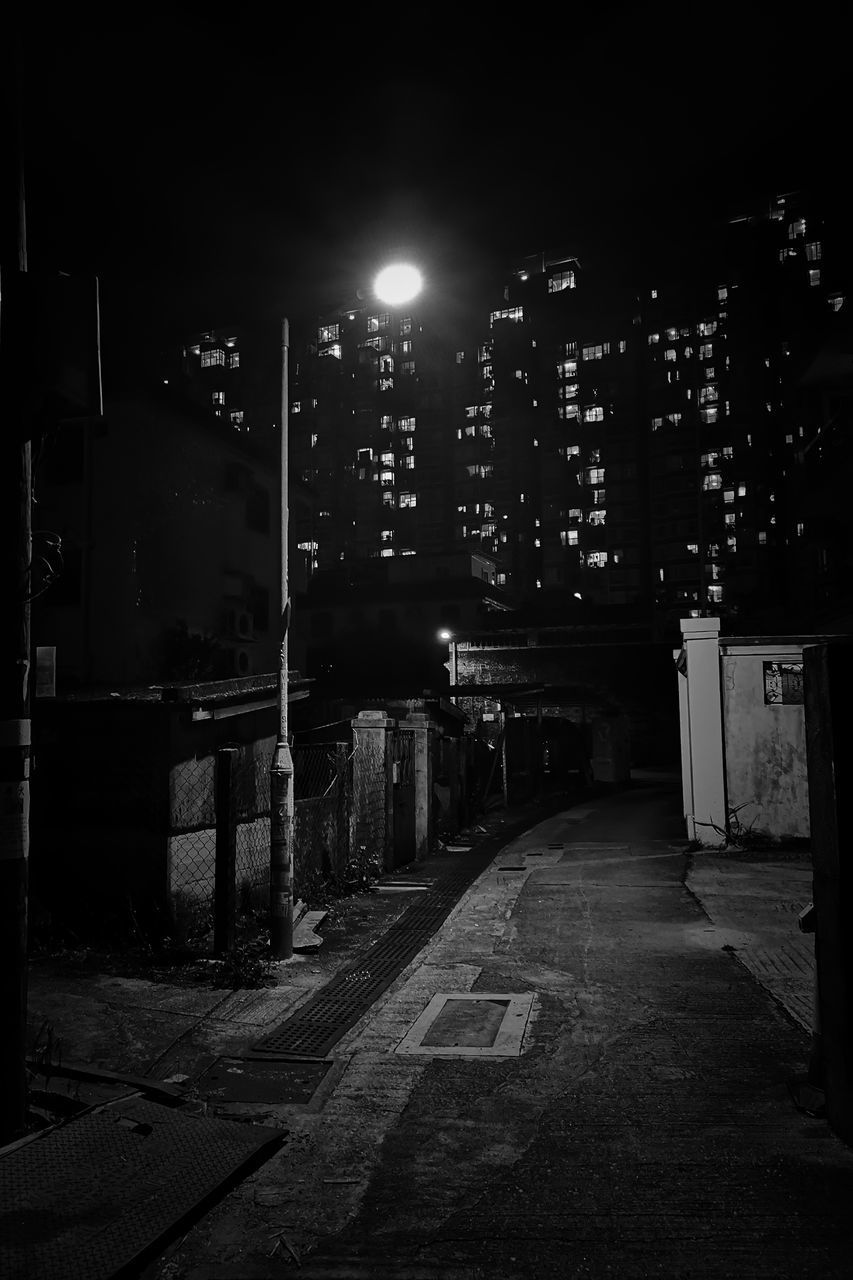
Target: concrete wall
[743,734]
[765,742]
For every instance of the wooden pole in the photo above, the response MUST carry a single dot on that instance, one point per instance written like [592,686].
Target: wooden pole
[15,666]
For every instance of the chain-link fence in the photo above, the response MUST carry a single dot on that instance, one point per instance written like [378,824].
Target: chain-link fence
[322,828]
[321,814]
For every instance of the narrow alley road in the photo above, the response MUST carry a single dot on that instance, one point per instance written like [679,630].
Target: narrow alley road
[644,1130]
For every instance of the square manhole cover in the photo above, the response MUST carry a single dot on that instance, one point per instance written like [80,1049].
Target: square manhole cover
[247,1080]
[482,1024]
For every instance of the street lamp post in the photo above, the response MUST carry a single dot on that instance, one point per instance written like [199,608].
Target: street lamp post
[281,772]
[451,644]
[396,284]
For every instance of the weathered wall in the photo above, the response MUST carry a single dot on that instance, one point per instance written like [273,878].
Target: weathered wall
[765,744]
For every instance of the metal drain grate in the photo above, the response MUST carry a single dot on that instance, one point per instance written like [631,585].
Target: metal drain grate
[319,1024]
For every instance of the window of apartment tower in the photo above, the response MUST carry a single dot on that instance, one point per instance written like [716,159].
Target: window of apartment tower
[405,325]
[233,359]
[210,358]
[218,397]
[561,280]
[377,322]
[328,333]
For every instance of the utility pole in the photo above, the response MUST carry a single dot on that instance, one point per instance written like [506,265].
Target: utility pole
[281,772]
[15,577]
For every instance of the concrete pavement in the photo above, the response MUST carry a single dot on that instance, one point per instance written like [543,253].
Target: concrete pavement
[645,1129]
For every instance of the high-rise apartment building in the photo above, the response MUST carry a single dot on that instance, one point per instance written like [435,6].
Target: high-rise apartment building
[650,445]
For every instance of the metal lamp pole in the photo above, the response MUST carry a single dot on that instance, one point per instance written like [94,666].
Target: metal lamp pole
[281,772]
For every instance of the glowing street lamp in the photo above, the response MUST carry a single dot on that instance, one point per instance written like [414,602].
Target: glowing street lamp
[450,640]
[398,283]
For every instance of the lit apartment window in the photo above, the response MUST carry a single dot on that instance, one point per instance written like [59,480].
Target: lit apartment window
[728,495]
[386,384]
[567,369]
[594,413]
[796,228]
[814,276]
[653,337]
[670,354]
[729,517]
[328,333]
[460,357]
[762,538]
[408,461]
[706,351]
[407,368]
[741,490]
[693,548]
[233,359]
[657,423]
[296,407]
[334,350]
[722,293]
[406,347]
[707,393]
[508,313]
[484,352]
[712,481]
[386,552]
[568,411]
[569,537]
[386,478]
[623,346]
[568,391]
[405,424]
[386,459]
[706,328]
[575,513]
[599,497]
[380,321]
[218,397]
[715,593]
[407,500]
[800,529]
[561,280]
[594,475]
[405,325]
[598,516]
[597,560]
[674,418]
[836,301]
[572,450]
[708,415]
[387,535]
[210,358]
[813,251]
[596,351]
[236,418]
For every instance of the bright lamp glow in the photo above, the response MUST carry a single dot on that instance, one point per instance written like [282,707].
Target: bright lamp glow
[445,635]
[398,283]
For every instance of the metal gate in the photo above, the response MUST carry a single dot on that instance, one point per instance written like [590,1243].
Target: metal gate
[403,760]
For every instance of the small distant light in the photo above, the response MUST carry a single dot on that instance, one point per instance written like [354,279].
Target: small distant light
[445,635]
[578,596]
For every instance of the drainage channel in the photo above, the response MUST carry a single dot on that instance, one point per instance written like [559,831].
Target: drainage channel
[325,1017]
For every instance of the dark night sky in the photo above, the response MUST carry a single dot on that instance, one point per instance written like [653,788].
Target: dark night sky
[207,167]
